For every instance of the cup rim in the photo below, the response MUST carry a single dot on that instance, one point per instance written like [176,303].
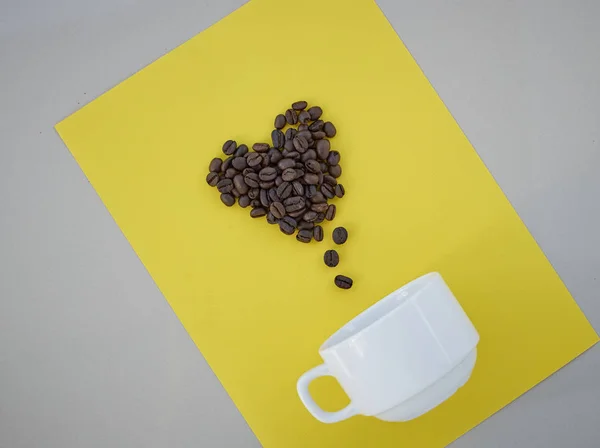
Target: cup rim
[423,278]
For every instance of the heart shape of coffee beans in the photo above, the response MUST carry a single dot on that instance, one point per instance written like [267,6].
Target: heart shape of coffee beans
[291,180]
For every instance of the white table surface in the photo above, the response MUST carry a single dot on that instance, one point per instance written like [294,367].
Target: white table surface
[91,355]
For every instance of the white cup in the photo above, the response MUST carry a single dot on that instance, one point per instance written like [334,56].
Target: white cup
[401,357]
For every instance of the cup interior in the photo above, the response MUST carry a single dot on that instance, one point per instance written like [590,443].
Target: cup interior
[377,312]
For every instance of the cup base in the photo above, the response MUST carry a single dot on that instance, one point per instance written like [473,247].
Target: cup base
[434,395]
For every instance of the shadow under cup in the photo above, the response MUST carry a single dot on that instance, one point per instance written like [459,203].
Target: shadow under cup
[401,357]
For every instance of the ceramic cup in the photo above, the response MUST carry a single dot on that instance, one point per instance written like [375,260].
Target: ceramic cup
[401,357]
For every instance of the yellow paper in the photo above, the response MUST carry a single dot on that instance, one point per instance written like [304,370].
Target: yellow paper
[257,303]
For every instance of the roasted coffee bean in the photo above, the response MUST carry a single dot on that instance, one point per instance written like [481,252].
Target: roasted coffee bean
[294,204]
[323,149]
[225,186]
[340,235]
[299,165]
[311,154]
[341,281]
[267,174]
[298,188]
[293,155]
[239,184]
[278,210]
[331,258]
[330,180]
[298,213]
[274,156]
[278,138]
[266,160]
[235,193]
[230,173]
[241,150]
[302,127]
[215,165]
[278,181]
[290,134]
[311,178]
[340,191]
[255,203]
[239,163]
[318,198]
[320,178]
[306,134]
[312,144]
[304,117]
[273,195]
[289,174]
[280,121]
[251,180]
[315,112]
[212,179]
[253,193]
[288,146]
[319,208]
[227,199]
[229,147]
[226,164]
[286,163]
[318,135]
[310,191]
[291,116]
[301,144]
[287,225]
[316,126]
[266,185]
[328,191]
[271,219]
[248,171]
[330,213]
[304,236]
[261,147]
[254,159]
[244,201]
[324,168]
[257,212]
[284,190]
[310,216]
[335,170]
[320,218]
[318,233]
[333,158]
[313,166]
[303,225]
[264,198]
[299,105]
[329,129]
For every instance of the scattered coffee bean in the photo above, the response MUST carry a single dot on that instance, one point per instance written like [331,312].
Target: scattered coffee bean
[341,281]
[299,105]
[340,191]
[212,179]
[280,121]
[227,199]
[318,233]
[244,201]
[340,235]
[315,112]
[241,151]
[329,129]
[331,258]
[328,191]
[333,158]
[330,213]
[229,147]
[304,236]
[215,165]
[318,135]
[303,117]
[225,186]
[316,126]
[257,212]
[260,147]
[335,170]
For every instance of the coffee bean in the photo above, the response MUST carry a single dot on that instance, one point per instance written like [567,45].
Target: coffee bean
[225,186]
[264,198]
[240,185]
[273,196]
[274,156]
[340,235]
[318,233]
[311,154]
[257,212]
[306,134]
[215,165]
[266,185]
[261,147]
[284,190]
[226,164]
[230,173]
[319,208]
[303,225]
[320,218]
[310,191]
[267,174]
[304,117]
[298,188]
[251,180]
[288,146]
[290,134]
[280,121]
[253,193]
[271,219]
[286,227]
[301,144]
[310,216]
[323,149]
[299,105]
[289,174]
[311,178]
[254,159]
[298,213]
[291,116]
[318,198]
[331,258]
[315,112]
[229,147]
[329,129]
[299,165]
[313,166]
[318,135]
[278,210]
[330,213]
[340,191]
[330,180]
[244,201]
[304,236]
[328,191]
[303,126]
[341,281]
[278,138]
[316,126]
[333,158]
[324,168]
[235,193]
[278,181]
[241,150]
[293,155]
[286,163]
[239,163]
[335,170]
[294,204]
[212,179]
[255,203]
[227,199]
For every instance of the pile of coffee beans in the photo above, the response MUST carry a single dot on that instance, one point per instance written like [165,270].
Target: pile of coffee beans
[291,180]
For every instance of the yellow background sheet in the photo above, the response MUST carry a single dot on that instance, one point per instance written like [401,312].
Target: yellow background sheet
[257,303]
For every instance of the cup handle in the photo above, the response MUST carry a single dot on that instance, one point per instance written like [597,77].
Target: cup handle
[312,406]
